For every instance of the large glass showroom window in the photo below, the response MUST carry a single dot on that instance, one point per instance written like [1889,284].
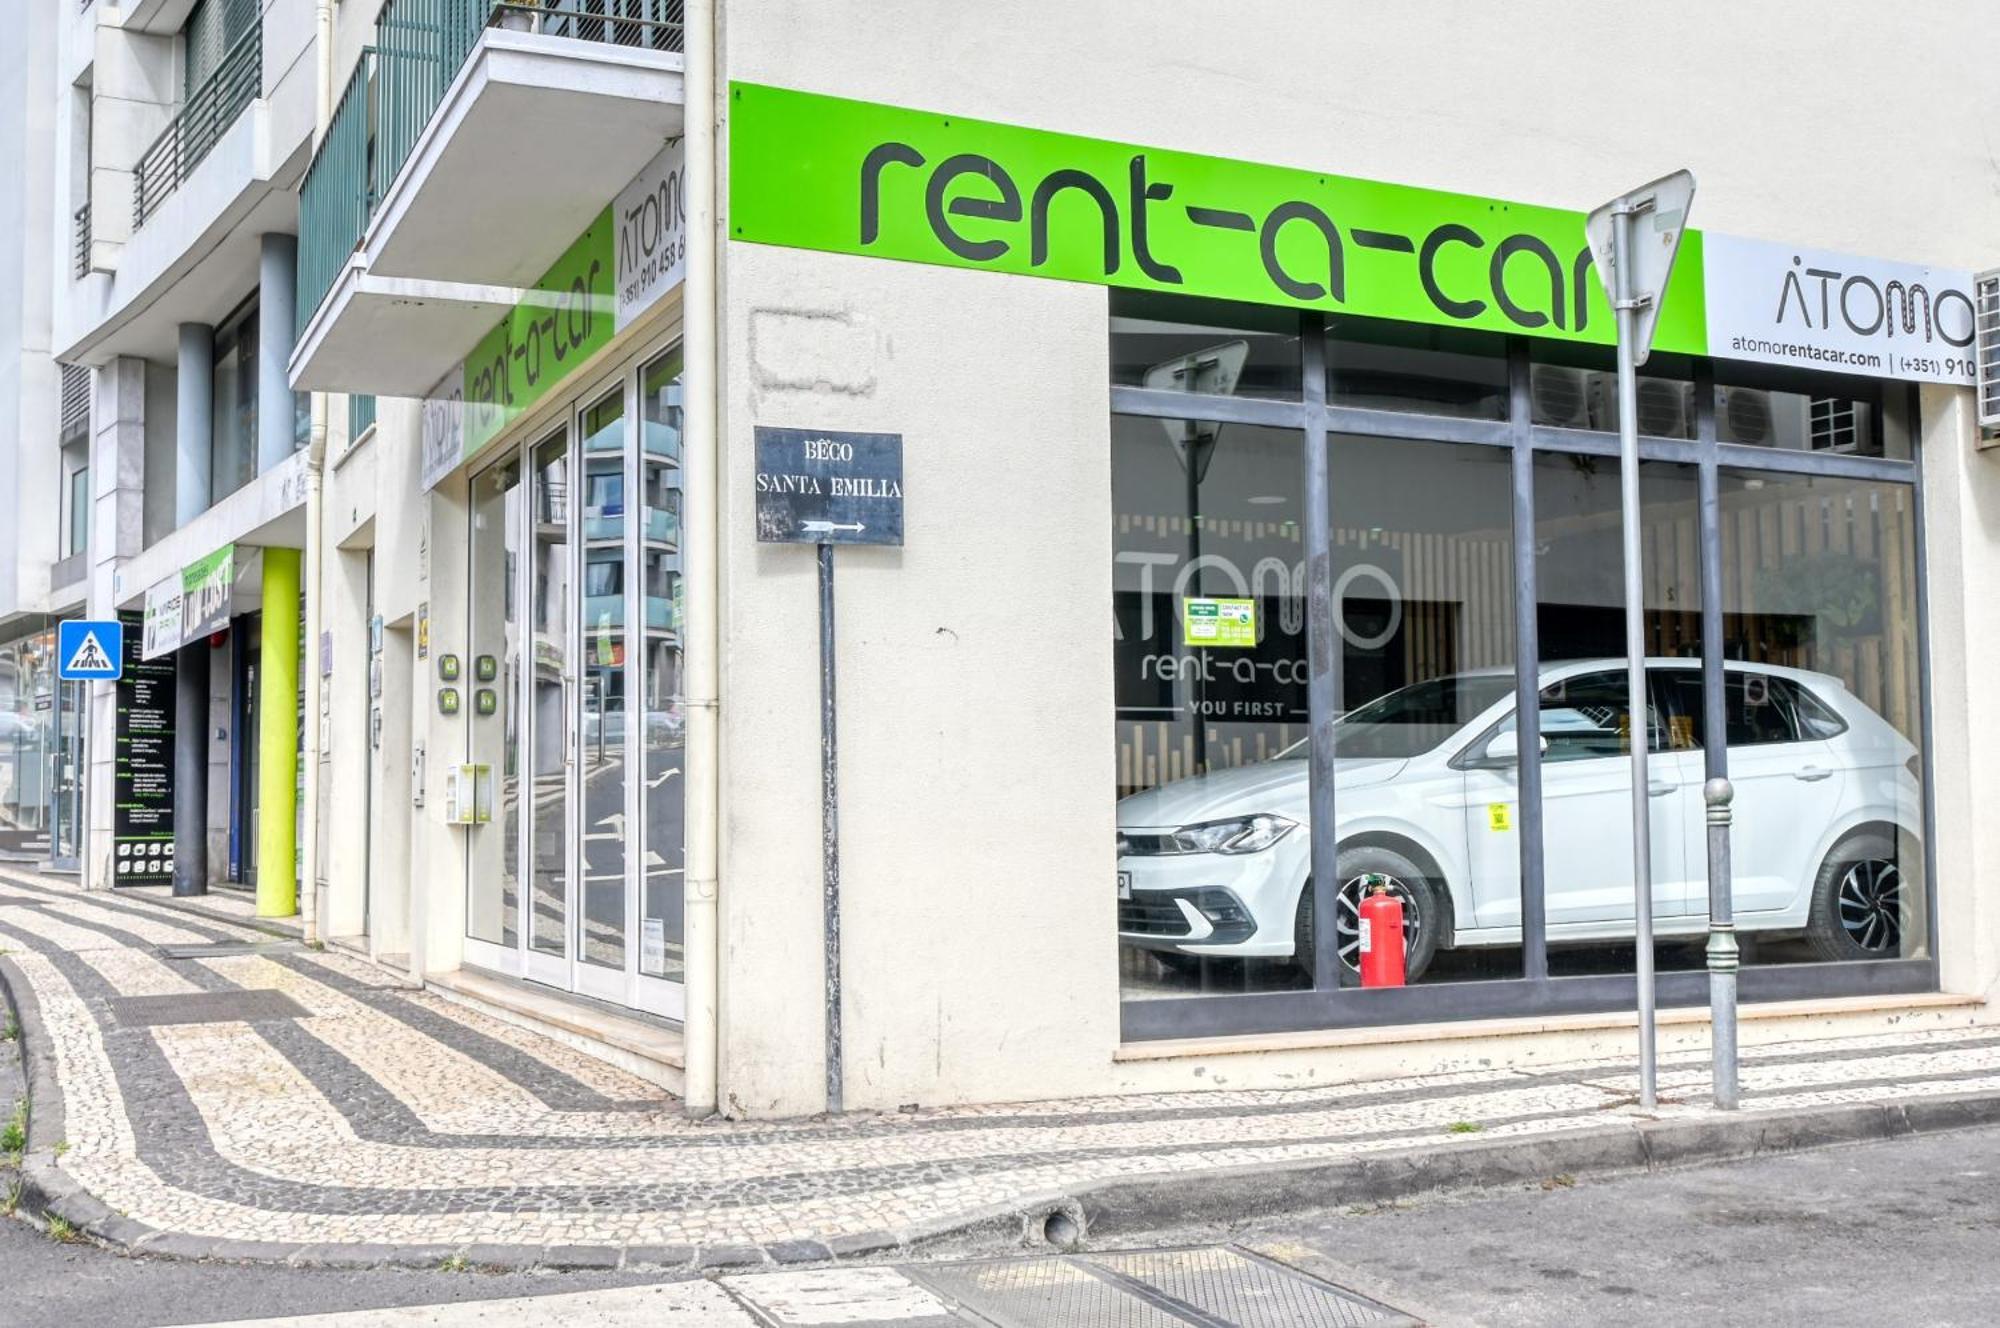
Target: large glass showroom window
[1469,544]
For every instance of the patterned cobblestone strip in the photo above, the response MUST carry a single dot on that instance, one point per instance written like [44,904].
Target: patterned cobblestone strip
[173,1140]
[445,1091]
[211,930]
[370,1101]
[442,1083]
[556,1090]
[930,1195]
[1156,1107]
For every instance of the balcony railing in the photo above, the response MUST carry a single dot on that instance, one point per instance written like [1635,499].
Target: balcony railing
[83,241]
[210,110]
[419,48]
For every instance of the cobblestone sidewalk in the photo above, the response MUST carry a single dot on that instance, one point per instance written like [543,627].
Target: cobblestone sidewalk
[201,1088]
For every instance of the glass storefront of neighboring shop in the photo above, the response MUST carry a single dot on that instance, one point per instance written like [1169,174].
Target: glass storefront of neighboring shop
[41,755]
[574,683]
[1473,682]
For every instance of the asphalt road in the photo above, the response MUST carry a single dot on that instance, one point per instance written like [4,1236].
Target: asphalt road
[1902,1233]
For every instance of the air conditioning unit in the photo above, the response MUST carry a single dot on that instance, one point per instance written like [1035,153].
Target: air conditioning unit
[1663,408]
[1748,413]
[1561,396]
[1986,345]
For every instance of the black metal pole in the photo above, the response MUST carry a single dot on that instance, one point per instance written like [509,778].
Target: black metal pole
[829,765]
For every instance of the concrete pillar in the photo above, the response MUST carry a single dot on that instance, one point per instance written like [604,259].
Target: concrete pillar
[117,522]
[194,421]
[277,300]
[191,768]
[278,737]
[194,433]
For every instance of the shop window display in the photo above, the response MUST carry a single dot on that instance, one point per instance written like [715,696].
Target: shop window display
[1514,875]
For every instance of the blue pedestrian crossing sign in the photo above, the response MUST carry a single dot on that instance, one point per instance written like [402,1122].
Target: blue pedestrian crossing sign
[87,648]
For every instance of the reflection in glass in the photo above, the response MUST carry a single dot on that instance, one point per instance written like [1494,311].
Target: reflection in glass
[1575,386]
[1384,365]
[1759,406]
[550,611]
[233,436]
[493,879]
[602,754]
[1586,716]
[1423,568]
[1154,344]
[661,932]
[1819,597]
[28,741]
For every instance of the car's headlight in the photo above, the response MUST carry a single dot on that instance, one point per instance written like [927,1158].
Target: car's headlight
[1238,834]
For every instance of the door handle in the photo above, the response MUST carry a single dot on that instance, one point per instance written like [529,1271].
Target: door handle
[1811,773]
[1655,788]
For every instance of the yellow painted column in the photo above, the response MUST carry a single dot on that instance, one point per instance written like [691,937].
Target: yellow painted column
[278,737]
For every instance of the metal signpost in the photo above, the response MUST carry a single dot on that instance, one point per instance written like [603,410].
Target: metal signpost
[90,649]
[825,488]
[1633,239]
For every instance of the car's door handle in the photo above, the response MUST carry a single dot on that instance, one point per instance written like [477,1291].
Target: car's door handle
[1811,773]
[1659,790]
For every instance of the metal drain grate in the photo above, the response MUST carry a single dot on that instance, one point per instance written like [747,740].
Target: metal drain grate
[254,1005]
[223,949]
[1208,1287]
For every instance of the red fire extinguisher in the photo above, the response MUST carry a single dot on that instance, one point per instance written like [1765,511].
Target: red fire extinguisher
[1381,937]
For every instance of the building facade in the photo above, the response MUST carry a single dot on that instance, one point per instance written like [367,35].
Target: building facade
[1258,499]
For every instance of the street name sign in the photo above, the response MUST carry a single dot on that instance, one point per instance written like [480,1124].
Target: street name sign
[820,486]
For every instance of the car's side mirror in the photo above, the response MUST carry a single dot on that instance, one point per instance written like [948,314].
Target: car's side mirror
[1505,749]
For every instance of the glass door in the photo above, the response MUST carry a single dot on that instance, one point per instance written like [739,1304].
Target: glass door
[550,679]
[604,826]
[575,628]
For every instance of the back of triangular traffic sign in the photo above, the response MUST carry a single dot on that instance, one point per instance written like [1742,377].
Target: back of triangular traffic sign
[1660,220]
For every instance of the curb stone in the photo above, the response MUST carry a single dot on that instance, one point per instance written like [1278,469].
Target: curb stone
[1112,1209]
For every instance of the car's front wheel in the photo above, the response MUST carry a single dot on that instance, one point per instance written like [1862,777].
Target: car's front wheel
[1858,904]
[1363,869]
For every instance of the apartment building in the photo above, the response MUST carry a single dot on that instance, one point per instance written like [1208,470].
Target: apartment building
[1252,467]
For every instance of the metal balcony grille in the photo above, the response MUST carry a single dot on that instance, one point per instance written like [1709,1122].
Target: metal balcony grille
[420,45]
[360,415]
[207,115]
[75,399]
[83,241]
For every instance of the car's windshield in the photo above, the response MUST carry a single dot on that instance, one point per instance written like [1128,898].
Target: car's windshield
[1412,720]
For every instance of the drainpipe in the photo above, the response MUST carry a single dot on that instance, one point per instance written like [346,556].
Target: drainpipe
[315,525]
[701,1030]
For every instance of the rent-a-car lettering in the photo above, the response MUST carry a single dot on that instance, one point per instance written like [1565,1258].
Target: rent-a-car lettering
[975,209]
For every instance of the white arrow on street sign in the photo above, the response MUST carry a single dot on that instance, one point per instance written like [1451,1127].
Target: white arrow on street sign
[1659,217]
[828,527]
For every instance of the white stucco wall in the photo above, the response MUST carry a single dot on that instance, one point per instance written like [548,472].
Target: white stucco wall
[975,664]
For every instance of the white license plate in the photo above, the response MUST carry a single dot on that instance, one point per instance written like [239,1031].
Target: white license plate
[1124,885]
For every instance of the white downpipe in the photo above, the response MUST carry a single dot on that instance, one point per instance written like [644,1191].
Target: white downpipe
[701,1029]
[309,827]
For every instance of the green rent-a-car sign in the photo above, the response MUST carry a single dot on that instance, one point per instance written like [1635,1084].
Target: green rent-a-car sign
[816,172]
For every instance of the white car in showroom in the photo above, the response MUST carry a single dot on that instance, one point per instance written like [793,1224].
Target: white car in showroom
[1427,799]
